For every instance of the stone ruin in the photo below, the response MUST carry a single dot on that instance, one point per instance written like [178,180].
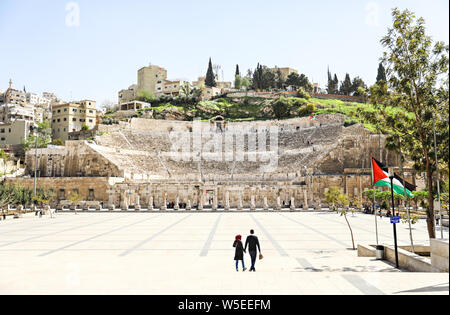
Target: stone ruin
[215,164]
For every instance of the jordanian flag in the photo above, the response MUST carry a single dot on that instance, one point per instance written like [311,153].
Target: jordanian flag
[381,179]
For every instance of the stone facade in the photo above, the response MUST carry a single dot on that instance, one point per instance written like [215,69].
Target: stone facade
[311,156]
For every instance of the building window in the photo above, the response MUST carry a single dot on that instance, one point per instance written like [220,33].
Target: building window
[62,194]
[74,119]
[90,120]
[91,193]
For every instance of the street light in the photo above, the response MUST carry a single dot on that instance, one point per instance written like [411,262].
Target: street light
[391,177]
[35,160]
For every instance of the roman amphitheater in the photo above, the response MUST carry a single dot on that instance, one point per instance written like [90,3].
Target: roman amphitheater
[214,165]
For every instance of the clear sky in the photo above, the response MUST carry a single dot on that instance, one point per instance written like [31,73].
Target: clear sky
[45,48]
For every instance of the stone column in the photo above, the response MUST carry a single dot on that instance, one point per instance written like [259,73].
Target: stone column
[200,199]
[278,206]
[164,205]
[266,204]
[227,201]
[252,203]
[188,206]
[111,205]
[150,204]
[124,201]
[240,203]
[177,203]
[215,201]
[137,201]
[305,205]
[292,204]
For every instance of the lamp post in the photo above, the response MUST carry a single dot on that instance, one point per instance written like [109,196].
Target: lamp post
[35,160]
[391,177]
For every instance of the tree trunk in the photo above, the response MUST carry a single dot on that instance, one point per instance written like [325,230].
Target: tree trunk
[351,231]
[430,208]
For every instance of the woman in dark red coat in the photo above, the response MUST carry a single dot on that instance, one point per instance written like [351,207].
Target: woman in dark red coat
[239,255]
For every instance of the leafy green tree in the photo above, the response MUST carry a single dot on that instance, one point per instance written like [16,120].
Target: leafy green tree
[85,128]
[445,197]
[293,79]
[280,80]
[339,203]
[43,138]
[359,88]
[238,82]
[246,83]
[75,198]
[417,86]
[299,81]
[210,80]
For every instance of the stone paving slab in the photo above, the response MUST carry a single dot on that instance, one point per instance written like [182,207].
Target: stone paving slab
[187,253]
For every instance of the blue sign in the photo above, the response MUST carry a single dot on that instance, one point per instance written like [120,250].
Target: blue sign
[395,220]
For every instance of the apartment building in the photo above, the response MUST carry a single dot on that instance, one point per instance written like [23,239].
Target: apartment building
[151,79]
[71,117]
[10,112]
[14,132]
[36,99]
[128,95]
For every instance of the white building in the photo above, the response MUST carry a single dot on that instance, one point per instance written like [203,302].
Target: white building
[36,99]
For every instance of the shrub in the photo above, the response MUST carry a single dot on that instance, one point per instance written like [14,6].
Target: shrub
[307,110]
[303,94]
[282,108]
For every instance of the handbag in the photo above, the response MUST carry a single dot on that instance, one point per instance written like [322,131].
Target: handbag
[261,257]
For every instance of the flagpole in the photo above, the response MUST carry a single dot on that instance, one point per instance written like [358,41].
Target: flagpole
[404,194]
[374,207]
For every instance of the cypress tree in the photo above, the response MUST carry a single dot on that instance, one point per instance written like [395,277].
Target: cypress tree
[330,82]
[210,80]
[335,85]
[237,71]
[346,87]
[381,76]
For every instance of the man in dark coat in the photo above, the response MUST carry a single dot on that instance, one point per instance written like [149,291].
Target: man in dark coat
[252,243]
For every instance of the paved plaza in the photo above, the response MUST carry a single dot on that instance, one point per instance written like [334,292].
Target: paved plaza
[192,254]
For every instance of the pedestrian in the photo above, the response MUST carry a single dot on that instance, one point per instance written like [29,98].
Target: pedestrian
[239,254]
[252,243]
